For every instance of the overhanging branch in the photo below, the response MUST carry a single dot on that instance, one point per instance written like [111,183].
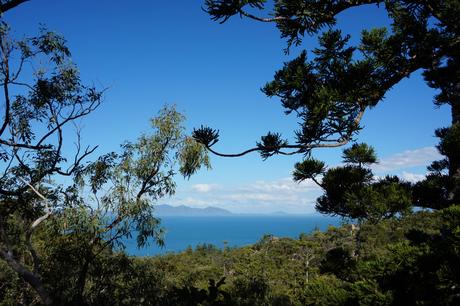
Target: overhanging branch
[10,4]
[298,148]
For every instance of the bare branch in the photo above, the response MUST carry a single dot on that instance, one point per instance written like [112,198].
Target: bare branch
[72,116]
[77,162]
[36,191]
[15,76]
[6,71]
[262,19]
[22,84]
[317,182]
[14,144]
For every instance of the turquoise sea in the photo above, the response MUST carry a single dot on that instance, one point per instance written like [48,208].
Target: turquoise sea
[182,232]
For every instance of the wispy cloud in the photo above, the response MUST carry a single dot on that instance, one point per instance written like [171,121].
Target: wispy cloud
[257,197]
[205,188]
[285,194]
[282,185]
[407,159]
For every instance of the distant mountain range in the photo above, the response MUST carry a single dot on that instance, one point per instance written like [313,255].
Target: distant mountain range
[182,210]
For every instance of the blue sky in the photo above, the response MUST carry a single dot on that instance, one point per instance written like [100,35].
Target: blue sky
[154,52]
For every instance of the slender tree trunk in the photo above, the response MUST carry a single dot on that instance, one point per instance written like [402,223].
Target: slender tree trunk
[81,282]
[307,274]
[32,279]
[454,157]
[358,245]
[456,108]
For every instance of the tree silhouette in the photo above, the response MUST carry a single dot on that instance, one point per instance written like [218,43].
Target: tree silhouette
[330,87]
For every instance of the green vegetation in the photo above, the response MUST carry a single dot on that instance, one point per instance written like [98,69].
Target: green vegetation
[352,191]
[409,261]
[61,216]
[62,244]
[329,89]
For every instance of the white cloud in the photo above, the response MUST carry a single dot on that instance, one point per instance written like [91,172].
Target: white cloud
[286,195]
[407,159]
[258,197]
[282,185]
[205,188]
[412,177]
[193,202]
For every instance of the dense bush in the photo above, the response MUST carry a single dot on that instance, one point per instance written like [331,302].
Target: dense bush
[413,260]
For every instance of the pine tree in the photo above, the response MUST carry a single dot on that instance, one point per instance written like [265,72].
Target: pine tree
[330,92]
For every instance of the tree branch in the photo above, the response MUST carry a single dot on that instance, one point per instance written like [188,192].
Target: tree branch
[77,161]
[31,278]
[23,145]
[262,19]
[34,225]
[301,148]
[10,4]
[6,72]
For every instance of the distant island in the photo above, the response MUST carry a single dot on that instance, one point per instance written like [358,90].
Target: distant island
[182,210]
[210,211]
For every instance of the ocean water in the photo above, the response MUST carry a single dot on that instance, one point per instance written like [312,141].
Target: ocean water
[182,232]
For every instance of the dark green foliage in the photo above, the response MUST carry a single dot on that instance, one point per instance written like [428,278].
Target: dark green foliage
[351,191]
[190,295]
[222,10]
[308,169]
[431,192]
[82,221]
[310,88]
[441,187]
[206,135]
[330,87]
[325,290]
[338,261]
[423,268]
[413,260]
[360,154]
[330,91]
[270,144]
[392,257]
[383,199]
[339,183]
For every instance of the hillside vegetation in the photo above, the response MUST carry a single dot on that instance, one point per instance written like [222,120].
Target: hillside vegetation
[411,261]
